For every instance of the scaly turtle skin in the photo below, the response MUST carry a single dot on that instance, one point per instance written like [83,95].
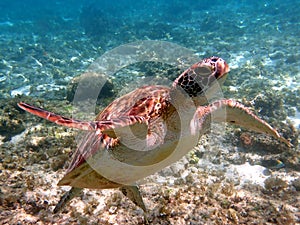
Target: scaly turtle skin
[149,128]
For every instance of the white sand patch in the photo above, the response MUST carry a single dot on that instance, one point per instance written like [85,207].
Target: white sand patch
[295,119]
[237,61]
[247,174]
[21,91]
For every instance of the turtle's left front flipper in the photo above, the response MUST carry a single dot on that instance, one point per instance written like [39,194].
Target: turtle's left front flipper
[106,126]
[232,112]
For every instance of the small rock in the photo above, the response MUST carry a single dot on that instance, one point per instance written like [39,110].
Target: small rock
[90,86]
[296,184]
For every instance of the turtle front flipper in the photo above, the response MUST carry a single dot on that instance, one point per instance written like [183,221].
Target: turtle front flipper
[105,125]
[233,112]
[58,119]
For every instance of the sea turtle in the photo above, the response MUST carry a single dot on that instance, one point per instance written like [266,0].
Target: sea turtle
[148,129]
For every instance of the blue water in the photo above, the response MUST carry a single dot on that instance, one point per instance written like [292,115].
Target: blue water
[204,15]
[150,18]
[39,38]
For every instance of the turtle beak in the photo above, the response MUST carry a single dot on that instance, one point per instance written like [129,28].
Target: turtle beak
[222,69]
[226,68]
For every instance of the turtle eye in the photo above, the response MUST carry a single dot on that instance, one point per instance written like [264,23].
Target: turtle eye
[214,59]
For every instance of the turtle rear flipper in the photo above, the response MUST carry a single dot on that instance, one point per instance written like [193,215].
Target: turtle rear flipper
[66,198]
[133,193]
[235,113]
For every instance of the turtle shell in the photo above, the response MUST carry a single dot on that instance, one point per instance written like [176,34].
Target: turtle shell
[129,146]
[133,150]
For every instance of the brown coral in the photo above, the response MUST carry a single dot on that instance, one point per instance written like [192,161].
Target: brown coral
[246,139]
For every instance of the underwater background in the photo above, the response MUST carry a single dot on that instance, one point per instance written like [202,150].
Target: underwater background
[46,45]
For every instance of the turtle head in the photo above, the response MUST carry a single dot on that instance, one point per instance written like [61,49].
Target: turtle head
[197,79]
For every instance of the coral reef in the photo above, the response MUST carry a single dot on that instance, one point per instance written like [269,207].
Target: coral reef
[10,119]
[187,190]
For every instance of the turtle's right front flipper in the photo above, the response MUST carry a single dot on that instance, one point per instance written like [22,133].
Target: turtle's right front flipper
[232,112]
